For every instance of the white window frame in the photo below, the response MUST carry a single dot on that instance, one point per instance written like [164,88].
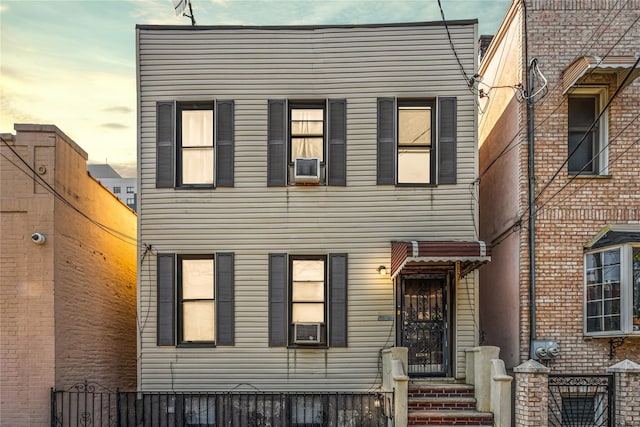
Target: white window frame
[603,133]
[626,291]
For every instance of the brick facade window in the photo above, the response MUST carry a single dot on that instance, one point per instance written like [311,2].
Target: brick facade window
[612,290]
[587,135]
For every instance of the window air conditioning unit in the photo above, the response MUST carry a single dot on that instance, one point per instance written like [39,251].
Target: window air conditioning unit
[306,333]
[306,170]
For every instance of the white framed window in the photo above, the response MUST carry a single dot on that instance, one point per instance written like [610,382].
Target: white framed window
[587,137]
[612,291]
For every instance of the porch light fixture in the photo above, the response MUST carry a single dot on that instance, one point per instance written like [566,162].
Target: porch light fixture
[382,270]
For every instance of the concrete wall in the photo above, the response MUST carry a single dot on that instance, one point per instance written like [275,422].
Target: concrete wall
[68,306]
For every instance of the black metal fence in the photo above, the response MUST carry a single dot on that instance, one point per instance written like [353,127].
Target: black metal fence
[581,401]
[87,405]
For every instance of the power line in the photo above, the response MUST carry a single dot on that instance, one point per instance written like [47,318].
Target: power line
[42,182]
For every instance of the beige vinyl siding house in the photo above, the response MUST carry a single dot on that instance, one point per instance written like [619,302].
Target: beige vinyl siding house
[253,223]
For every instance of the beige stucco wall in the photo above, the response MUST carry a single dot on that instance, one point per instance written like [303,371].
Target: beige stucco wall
[67,307]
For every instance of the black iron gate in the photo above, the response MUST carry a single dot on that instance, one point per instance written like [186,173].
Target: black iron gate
[581,401]
[84,404]
[424,324]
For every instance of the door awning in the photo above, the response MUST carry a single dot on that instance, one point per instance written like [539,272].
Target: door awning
[411,255]
[582,67]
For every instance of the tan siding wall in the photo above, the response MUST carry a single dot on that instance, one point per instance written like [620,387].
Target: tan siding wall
[252,66]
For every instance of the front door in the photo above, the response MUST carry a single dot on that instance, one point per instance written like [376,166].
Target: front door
[424,325]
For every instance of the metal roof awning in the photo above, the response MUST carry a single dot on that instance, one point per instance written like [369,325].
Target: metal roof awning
[411,255]
[586,65]
[614,235]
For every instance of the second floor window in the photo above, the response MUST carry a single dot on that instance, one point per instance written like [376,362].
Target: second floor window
[587,135]
[195,144]
[130,190]
[116,190]
[417,141]
[306,142]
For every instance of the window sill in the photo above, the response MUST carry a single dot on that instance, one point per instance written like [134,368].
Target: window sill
[608,335]
[409,185]
[197,345]
[194,187]
[307,347]
[589,176]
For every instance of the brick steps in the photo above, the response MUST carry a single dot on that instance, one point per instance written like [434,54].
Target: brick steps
[446,404]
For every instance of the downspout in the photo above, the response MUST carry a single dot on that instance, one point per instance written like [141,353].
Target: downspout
[531,173]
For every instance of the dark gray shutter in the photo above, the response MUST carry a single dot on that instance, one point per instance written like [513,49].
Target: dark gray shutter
[338,300]
[277,143]
[166,299]
[447,141]
[165,144]
[337,164]
[225,142]
[225,299]
[278,325]
[386,141]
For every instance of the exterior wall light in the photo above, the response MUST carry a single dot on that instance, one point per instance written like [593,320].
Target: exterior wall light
[382,270]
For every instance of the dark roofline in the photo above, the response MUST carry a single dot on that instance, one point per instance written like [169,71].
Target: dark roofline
[459,22]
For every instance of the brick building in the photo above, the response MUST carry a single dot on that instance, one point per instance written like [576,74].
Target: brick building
[572,67]
[67,274]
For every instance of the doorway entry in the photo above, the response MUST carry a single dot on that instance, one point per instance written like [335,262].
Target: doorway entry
[424,323]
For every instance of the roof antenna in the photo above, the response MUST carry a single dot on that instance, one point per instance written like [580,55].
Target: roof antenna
[179,7]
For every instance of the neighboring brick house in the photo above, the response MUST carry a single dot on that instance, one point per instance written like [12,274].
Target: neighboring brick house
[68,275]
[281,168]
[586,184]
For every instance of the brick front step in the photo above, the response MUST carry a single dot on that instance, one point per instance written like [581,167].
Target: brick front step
[450,418]
[449,403]
[440,390]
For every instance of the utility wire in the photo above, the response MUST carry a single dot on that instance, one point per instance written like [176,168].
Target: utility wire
[593,124]
[42,182]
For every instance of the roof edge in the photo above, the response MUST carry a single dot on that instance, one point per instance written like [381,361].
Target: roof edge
[459,22]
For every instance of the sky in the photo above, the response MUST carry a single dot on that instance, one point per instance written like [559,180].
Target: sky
[72,63]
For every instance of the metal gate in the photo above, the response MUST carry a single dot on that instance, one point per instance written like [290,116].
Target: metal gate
[84,404]
[424,324]
[581,401]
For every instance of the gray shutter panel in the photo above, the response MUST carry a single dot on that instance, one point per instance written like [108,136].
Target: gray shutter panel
[225,309]
[337,165]
[166,299]
[447,141]
[277,143]
[278,323]
[224,143]
[386,141]
[338,300]
[165,144]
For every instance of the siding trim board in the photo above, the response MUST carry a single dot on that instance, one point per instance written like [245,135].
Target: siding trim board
[459,22]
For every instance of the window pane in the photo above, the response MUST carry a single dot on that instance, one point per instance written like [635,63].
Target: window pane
[594,309]
[594,324]
[414,126]
[308,270]
[197,128]
[611,257]
[307,147]
[612,323]
[594,292]
[413,166]
[301,114]
[197,321]
[197,166]
[612,306]
[308,291]
[582,111]
[197,279]
[307,128]
[582,159]
[307,313]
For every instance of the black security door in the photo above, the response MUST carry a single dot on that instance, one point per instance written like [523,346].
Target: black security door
[424,324]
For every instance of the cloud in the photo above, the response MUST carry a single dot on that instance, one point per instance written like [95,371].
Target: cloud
[117,126]
[118,109]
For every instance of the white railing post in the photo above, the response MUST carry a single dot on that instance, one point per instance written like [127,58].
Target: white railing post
[394,378]
[500,403]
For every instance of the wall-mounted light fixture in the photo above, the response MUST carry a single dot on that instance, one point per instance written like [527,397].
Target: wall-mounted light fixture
[382,270]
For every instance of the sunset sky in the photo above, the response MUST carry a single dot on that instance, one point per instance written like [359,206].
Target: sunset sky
[72,63]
